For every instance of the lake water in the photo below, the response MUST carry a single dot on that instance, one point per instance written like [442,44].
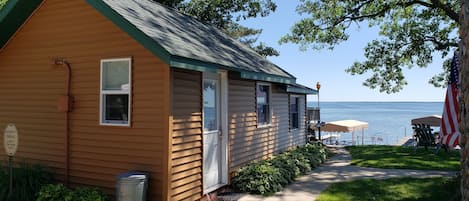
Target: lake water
[389,121]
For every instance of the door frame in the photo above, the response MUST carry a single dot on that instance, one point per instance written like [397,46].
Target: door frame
[222,77]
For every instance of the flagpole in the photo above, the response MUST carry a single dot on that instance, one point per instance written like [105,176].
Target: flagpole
[318,86]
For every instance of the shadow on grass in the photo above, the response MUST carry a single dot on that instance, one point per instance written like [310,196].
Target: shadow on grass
[395,189]
[399,157]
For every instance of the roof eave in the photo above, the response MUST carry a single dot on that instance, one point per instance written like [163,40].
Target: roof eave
[130,29]
[266,77]
[300,90]
[13,15]
[192,64]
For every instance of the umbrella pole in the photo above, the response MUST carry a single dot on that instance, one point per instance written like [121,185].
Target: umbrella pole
[363,135]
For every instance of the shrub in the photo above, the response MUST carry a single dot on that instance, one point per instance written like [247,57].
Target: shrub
[258,178]
[27,181]
[89,194]
[316,154]
[54,192]
[58,192]
[291,164]
[289,171]
[301,161]
[266,177]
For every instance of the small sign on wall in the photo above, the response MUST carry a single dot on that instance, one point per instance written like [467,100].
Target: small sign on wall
[10,139]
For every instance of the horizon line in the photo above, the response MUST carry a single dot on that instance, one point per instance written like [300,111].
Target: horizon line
[377,101]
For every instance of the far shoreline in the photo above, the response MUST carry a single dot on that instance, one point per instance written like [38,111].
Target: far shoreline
[312,101]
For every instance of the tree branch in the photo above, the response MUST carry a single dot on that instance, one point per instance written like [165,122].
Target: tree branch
[439,45]
[436,4]
[447,9]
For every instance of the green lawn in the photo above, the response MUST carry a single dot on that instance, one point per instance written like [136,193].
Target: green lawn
[400,157]
[395,189]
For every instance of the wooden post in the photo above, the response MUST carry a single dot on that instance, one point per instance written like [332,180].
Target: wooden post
[10,166]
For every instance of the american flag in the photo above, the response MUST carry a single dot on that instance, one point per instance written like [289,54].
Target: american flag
[449,130]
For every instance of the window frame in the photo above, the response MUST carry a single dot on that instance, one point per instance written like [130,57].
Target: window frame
[103,93]
[297,99]
[212,77]
[269,97]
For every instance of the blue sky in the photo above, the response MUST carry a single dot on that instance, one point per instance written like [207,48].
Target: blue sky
[328,67]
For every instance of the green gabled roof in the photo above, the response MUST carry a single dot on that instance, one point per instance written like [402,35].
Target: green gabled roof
[177,39]
[13,15]
[184,42]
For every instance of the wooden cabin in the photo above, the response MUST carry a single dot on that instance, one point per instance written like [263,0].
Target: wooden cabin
[101,87]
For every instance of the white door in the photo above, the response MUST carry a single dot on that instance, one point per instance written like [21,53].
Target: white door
[214,162]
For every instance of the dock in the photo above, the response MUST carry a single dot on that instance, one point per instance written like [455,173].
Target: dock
[405,141]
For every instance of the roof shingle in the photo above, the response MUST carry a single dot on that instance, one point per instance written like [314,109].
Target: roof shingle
[184,36]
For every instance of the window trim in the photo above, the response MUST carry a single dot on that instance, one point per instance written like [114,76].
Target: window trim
[102,93]
[269,119]
[297,99]
[213,77]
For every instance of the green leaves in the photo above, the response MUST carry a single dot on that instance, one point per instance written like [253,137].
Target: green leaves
[58,192]
[2,3]
[258,178]
[410,33]
[27,180]
[267,177]
[55,192]
[225,14]
[221,13]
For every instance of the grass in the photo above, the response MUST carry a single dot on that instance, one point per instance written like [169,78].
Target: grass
[401,157]
[402,189]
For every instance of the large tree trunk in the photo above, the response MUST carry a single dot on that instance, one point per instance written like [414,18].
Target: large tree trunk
[464,97]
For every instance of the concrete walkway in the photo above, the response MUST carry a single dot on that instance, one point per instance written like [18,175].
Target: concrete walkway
[336,169]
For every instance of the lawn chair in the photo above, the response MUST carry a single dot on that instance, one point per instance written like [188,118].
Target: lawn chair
[423,136]
[439,144]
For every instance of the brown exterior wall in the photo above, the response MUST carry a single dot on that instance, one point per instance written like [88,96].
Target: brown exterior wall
[186,175]
[30,85]
[244,145]
[247,141]
[298,136]
[280,110]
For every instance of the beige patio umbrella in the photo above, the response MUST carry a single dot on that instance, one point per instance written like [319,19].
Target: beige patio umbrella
[346,126]
[433,120]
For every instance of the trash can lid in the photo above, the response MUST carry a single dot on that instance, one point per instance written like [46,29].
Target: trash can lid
[135,175]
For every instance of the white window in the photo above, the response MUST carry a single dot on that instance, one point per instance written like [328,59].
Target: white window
[294,108]
[115,92]
[263,104]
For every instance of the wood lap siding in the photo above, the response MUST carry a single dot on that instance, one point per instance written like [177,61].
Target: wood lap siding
[301,137]
[244,145]
[280,113]
[298,136]
[31,106]
[186,175]
[247,141]
[30,86]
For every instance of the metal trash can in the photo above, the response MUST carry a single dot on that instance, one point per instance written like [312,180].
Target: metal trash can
[132,186]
